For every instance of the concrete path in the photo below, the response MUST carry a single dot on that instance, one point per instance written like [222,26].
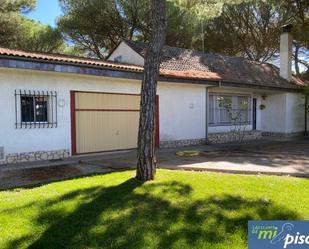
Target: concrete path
[263,157]
[284,158]
[289,157]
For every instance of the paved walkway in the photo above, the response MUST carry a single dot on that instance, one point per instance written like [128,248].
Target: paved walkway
[290,158]
[264,157]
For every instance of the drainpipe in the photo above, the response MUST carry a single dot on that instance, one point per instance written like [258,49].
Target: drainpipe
[207,107]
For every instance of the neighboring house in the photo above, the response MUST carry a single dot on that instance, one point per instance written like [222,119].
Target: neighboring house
[55,106]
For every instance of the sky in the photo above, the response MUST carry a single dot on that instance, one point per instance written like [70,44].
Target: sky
[46,12]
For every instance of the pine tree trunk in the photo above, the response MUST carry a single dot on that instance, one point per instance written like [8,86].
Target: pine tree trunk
[146,157]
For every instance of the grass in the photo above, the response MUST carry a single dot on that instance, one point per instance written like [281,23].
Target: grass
[178,210]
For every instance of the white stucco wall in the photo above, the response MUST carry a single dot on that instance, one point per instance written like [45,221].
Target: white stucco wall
[295,117]
[284,113]
[273,116]
[128,55]
[182,108]
[182,111]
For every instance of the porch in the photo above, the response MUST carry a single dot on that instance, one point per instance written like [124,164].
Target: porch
[247,114]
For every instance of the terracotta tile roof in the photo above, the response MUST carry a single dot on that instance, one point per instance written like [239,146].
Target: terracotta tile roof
[69,59]
[185,63]
[181,63]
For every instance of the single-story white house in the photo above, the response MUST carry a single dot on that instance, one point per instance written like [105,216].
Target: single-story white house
[55,106]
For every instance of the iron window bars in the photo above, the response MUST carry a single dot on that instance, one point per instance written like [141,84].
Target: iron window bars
[35,109]
[240,113]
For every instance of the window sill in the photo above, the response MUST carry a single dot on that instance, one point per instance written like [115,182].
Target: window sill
[219,125]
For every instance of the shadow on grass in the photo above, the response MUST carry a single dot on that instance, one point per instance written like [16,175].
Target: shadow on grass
[14,184]
[155,215]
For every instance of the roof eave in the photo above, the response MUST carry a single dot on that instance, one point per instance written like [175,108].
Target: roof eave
[257,86]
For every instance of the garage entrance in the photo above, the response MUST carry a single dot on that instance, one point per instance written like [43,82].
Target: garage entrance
[104,121]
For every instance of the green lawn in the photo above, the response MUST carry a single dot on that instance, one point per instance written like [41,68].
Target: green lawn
[178,210]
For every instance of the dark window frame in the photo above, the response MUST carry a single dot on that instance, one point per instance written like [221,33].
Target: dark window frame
[35,109]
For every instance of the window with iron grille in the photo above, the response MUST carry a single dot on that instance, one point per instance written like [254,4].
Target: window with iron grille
[237,109]
[35,109]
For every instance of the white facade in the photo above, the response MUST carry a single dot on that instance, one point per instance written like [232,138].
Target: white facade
[284,113]
[182,111]
[182,108]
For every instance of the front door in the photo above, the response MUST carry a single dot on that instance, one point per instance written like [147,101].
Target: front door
[254,114]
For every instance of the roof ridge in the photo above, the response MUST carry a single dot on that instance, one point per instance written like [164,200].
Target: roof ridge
[194,50]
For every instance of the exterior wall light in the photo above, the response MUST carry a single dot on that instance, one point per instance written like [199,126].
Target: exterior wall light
[262,107]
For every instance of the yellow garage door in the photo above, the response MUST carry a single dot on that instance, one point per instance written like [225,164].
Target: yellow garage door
[105,121]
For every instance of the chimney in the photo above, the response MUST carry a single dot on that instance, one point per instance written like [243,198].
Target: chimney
[286,52]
